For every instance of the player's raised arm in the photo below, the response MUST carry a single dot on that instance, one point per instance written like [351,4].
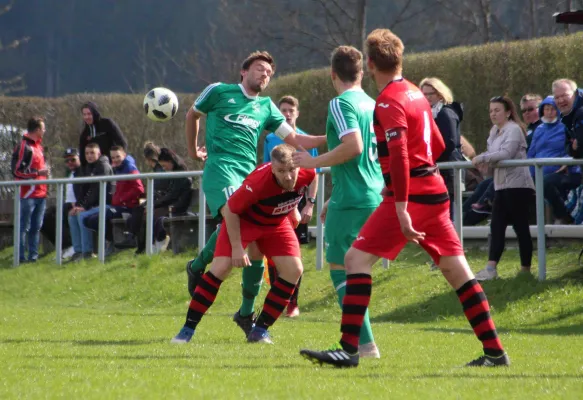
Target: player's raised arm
[191,131]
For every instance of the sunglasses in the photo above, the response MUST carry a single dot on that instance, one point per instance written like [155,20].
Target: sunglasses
[529,109]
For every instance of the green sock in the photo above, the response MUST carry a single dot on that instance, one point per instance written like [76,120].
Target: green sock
[339,282]
[252,279]
[205,256]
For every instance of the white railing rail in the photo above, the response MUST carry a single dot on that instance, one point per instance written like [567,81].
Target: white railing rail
[150,177]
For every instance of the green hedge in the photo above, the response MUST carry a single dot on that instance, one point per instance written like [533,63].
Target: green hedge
[475,74]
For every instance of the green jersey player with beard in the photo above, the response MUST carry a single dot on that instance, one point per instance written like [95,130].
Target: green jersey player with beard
[235,118]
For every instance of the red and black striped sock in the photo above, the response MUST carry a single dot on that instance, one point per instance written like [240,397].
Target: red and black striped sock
[354,305]
[276,301]
[203,297]
[477,311]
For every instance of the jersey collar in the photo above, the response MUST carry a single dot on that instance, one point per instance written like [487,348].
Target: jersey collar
[245,93]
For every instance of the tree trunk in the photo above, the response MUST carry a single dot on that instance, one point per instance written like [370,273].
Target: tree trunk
[361,24]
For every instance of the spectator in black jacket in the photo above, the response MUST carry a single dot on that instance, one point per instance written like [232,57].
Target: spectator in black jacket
[529,104]
[151,154]
[87,197]
[448,115]
[177,196]
[48,229]
[102,131]
[569,99]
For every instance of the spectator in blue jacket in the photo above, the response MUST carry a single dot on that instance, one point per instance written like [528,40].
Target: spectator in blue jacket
[548,141]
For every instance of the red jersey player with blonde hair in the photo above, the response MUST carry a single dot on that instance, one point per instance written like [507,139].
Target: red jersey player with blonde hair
[415,208]
[263,210]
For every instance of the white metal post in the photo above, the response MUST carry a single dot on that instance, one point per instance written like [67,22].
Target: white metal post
[16,234]
[149,215]
[540,223]
[59,225]
[101,225]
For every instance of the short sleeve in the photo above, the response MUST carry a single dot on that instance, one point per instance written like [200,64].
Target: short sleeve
[344,118]
[276,118]
[207,99]
[390,115]
[248,193]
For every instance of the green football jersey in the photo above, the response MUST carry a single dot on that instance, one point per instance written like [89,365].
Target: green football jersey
[358,182]
[234,122]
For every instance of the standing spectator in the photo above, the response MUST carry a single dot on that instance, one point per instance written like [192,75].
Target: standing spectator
[125,198]
[514,186]
[87,196]
[290,108]
[28,163]
[448,115]
[529,104]
[549,142]
[97,129]
[177,196]
[50,222]
[569,100]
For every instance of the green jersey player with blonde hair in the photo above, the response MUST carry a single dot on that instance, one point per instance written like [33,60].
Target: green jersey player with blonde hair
[357,180]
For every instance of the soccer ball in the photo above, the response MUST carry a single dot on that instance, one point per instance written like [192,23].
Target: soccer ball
[160,104]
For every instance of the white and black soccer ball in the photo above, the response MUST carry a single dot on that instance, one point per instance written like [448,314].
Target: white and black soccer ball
[160,104]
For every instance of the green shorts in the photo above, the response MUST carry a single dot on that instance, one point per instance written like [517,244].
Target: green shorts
[342,227]
[219,182]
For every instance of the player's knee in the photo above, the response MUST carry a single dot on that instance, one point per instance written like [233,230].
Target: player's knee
[350,259]
[221,267]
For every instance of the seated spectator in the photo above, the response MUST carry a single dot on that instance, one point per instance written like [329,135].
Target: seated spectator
[125,198]
[448,115]
[548,141]
[529,105]
[472,176]
[151,154]
[177,196]
[514,186]
[569,100]
[49,222]
[87,198]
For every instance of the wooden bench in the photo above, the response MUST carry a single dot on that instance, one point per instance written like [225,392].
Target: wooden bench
[183,229]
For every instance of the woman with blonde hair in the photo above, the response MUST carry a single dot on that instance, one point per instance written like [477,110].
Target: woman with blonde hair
[448,115]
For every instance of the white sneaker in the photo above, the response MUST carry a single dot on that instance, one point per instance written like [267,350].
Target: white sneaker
[68,252]
[487,274]
[162,246]
[369,350]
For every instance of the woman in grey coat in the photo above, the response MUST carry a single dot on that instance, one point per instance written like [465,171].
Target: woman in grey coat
[514,186]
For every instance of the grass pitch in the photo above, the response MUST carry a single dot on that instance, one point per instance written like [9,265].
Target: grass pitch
[97,331]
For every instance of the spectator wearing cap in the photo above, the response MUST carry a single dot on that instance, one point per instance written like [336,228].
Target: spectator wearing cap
[48,229]
[529,105]
[549,142]
[97,129]
[569,100]
[28,163]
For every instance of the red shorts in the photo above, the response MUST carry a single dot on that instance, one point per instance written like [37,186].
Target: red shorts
[381,234]
[273,241]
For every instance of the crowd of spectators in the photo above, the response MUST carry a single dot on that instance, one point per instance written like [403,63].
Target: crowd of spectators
[552,127]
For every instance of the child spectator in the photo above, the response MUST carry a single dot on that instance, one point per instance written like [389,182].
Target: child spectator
[125,198]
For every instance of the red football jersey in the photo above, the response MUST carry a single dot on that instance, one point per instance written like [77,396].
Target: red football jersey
[408,143]
[262,201]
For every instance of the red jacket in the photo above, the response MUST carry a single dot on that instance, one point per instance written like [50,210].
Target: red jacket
[127,193]
[27,159]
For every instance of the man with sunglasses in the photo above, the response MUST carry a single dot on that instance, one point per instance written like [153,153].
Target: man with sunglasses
[529,104]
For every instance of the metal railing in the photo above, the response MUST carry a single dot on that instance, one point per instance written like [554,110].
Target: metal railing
[150,177]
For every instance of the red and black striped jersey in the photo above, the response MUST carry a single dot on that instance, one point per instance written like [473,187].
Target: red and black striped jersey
[262,201]
[408,143]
